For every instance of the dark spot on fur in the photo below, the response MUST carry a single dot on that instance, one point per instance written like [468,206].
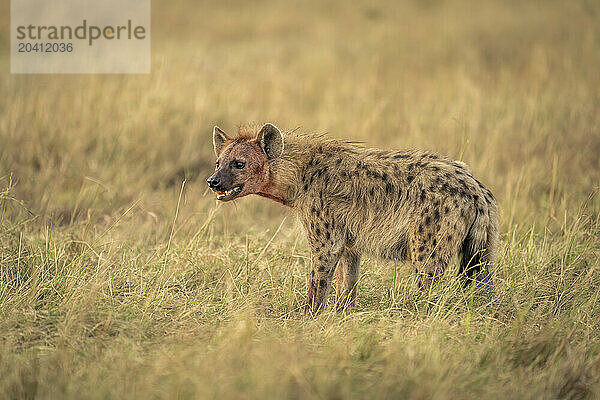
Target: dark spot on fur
[446,209]
[434,241]
[323,283]
[421,248]
[427,220]
[350,239]
[389,188]
[306,187]
[401,156]
[436,214]
[420,228]
[372,191]
[410,178]
[421,257]
[318,231]
[411,166]
[423,196]
[449,238]
[328,235]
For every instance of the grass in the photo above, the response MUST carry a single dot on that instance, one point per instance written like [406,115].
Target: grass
[118,280]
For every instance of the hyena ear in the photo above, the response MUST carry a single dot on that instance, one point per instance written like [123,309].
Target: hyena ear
[270,140]
[219,139]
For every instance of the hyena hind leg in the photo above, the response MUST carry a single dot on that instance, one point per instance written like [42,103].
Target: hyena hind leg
[429,262]
[346,276]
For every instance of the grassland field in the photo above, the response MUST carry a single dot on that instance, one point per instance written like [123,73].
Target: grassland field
[122,277]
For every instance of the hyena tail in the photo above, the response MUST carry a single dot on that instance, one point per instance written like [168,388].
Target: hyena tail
[479,249]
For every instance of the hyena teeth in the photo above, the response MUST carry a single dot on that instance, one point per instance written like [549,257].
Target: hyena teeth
[351,200]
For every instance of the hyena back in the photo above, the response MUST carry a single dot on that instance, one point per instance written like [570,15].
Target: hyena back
[351,200]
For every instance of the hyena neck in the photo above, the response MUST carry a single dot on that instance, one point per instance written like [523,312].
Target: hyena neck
[283,176]
[280,200]
[284,183]
[277,189]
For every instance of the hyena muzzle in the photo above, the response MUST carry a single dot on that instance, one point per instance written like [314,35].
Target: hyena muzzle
[398,205]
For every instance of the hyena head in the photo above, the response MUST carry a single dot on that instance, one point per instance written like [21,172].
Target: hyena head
[242,166]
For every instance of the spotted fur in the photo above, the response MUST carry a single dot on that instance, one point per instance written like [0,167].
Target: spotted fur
[398,205]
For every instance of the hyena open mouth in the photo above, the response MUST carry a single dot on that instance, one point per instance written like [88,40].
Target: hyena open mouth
[229,194]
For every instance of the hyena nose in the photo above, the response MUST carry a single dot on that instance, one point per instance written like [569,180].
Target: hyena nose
[213,182]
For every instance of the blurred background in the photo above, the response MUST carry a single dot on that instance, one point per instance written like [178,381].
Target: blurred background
[109,264]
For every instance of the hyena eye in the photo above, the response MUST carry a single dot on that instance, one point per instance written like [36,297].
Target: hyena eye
[238,164]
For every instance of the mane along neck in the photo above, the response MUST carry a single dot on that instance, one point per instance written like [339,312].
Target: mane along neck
[284,183]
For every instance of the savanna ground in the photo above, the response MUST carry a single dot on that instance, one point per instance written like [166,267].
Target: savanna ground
[117,281]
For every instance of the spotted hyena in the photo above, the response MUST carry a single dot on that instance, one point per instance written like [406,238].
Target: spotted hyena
[351,200]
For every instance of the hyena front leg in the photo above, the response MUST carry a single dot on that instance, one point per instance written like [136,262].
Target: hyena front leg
[347,273]
[325,255]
